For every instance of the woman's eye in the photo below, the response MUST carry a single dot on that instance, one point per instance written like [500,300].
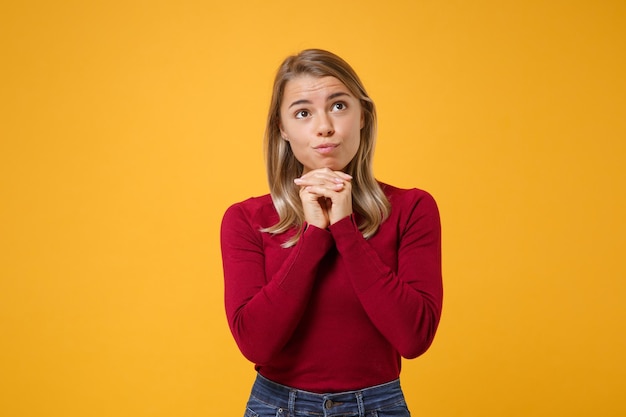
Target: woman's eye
[339,106]
[302,114]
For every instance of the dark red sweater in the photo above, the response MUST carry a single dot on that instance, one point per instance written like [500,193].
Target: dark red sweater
[335,312]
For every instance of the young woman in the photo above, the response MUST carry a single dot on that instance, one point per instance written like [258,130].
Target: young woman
[332,277]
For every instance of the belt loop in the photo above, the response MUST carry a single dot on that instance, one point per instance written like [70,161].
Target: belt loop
[359,402]
[292,403]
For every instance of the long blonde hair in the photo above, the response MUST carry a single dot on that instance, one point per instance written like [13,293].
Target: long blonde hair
[368,200]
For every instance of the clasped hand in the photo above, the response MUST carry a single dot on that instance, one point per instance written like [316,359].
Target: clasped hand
[326,196]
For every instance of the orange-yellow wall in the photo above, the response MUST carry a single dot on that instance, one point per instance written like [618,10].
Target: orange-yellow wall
[127,128]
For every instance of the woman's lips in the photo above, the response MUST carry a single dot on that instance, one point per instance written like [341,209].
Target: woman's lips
[326,148]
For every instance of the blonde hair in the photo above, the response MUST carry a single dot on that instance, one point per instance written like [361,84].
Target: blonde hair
[368,199]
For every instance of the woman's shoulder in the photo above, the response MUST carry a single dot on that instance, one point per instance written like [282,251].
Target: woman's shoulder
[252,204]
[405,195]
[408,204]
[255,209]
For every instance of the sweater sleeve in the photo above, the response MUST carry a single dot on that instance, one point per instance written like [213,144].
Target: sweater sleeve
[263,311]
[404,306]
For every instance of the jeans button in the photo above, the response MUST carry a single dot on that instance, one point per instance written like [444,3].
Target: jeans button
[328,404]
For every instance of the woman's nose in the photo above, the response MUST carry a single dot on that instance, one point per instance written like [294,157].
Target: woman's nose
[325,126]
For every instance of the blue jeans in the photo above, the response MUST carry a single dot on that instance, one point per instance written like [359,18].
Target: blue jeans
[269,399]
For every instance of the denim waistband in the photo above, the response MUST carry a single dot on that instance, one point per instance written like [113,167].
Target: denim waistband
[356,402]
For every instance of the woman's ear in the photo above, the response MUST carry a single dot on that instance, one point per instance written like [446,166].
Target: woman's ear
[362,118]
[282,132]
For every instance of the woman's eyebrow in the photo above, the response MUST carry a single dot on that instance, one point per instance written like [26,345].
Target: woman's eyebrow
[329,98]
[298,102]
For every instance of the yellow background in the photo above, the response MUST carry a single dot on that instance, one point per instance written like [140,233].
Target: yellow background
[128,127]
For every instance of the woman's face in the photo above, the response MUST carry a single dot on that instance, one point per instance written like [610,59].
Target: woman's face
[322,121]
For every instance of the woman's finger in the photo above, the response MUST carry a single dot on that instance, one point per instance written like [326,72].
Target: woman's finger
[321,177]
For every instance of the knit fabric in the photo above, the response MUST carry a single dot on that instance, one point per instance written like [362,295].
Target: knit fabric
[335,312]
